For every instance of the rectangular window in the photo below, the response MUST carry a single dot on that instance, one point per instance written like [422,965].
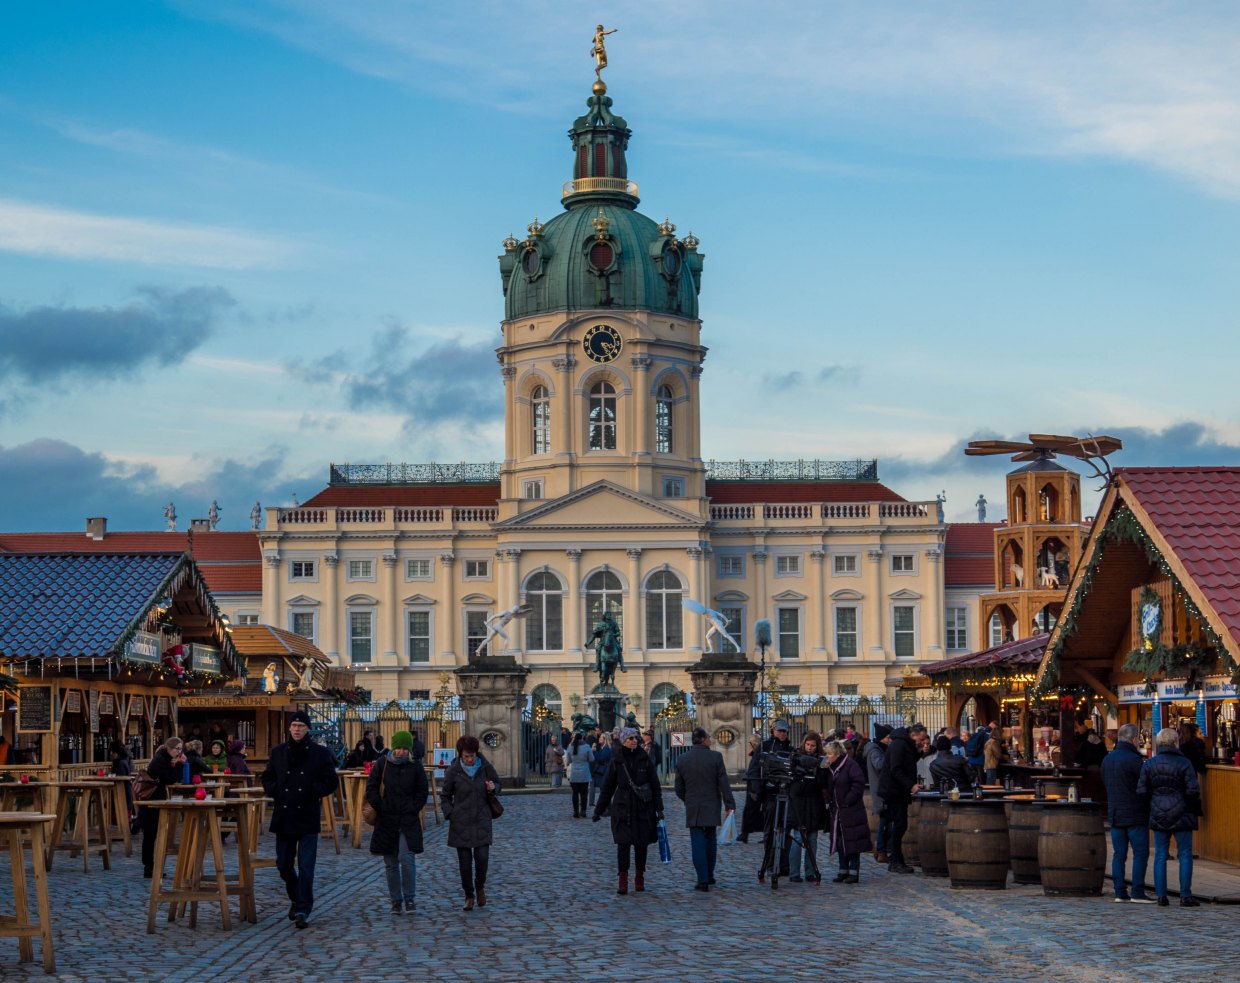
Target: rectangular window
[419,636]
[903,624]
[247,619]
[731,566]
[847,689]
[789,633]
[673,487]
[302,624]
[997,631]
[418,569]
[361,636]
[736,626]
[845,564]
[787,566]
[361,569]
[533,488]
[957,628]
[477,569]
[902,563]
[475,630]
[846,633]
[419,694]
[302,569]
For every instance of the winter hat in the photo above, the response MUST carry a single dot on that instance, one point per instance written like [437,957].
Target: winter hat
[942,743]
[779,725]
[402,739]
[217,743]
[881,731]
[300,717]
[627,732]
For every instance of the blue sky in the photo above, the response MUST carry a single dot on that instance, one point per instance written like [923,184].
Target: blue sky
[241,239]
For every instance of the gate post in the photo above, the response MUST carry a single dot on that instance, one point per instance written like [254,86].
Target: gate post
[492,691]
[723,693]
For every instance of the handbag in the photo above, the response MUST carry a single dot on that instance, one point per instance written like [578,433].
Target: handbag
[642,791]
[144,786]
[370,815]
[727,835]
[494,804]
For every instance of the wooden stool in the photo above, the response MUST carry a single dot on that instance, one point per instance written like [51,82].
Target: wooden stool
[89,798]
[201,830]
[433,797]
[327,826]
[19,925]
[340,802]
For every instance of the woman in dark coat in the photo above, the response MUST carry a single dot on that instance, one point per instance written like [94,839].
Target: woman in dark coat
[397,790]
[848,823]
[634,822]
[464,794]
[1168,784]
[165,769]
[807,815]
[237,765]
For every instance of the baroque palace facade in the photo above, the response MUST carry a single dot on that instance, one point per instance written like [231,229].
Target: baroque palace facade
[603,500]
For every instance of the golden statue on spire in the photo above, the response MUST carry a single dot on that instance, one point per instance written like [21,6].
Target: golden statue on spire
[599,51]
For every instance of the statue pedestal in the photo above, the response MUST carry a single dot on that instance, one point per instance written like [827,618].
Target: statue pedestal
[605,700]
[723,693]
[492,691]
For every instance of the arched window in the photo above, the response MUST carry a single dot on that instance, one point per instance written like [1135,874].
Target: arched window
[660,697]
[602,417]
[548,696]
[544,626]
[540,416]
[663,420]
[664,627]
[604,592]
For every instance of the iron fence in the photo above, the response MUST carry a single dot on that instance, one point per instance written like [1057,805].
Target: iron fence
[664,728]
[825,714]
[438,724]
[536,734]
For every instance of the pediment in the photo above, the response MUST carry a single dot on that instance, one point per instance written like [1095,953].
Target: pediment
[302,601]
[477,599]
[361,599]
[790,595]
[731,595]
[905,595]
[603,505]
[845,594]
[419,599]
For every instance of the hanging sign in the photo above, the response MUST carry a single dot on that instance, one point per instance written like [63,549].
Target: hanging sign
[1173,689]
[163,707]
[92,702]
[143,647]
[136,706]
[1220,688]
[1133,693]
[34,710]
[106,705]
[204,658]
[73,702]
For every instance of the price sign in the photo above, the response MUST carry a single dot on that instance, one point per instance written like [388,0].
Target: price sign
[34,710]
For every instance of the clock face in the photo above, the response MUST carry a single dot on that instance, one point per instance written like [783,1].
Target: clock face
[602,343]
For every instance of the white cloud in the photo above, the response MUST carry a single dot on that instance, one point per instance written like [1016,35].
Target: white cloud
[45,230]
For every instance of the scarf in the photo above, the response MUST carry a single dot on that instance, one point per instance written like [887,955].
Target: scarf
[472,770]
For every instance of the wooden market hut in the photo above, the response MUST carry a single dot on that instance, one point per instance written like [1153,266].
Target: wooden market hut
[100,644]
[1151,624]
[284,672]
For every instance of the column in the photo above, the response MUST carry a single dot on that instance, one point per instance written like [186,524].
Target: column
[512,598]
[509,375]
[641,404]
[695,636]
[633,614]
[819,604]
[762,600]
[933,643]
[574,634]
[446,620]
[329,616]
[390,604]
[272,603]
[875,616]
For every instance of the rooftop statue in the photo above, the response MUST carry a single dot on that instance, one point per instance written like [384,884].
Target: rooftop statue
[213,513]
[599,51]
[170,515]
[981,508]
[256,515]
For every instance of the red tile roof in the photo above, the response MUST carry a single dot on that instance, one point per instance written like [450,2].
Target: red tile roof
[745,492]
[1022,652]
[969,554]
[374,496]
[1197,513]
[233,578]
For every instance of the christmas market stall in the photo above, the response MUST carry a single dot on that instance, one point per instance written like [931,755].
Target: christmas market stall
[99,645]
[1151,625]
[285,672]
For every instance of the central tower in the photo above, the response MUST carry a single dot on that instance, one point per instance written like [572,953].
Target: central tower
[601,352]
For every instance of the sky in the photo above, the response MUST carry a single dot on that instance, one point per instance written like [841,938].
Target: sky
[243,239]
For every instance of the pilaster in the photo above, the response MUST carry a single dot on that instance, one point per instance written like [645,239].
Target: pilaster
[633,616]
[445,624]
[573,605]
[875,604]
[329,619]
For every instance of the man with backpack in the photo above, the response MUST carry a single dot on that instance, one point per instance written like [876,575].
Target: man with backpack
[975,752]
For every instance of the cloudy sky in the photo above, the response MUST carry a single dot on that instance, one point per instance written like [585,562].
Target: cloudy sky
[242,239]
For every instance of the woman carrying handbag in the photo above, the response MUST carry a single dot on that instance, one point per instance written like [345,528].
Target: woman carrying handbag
[396,791]
[469,795]
[632,790]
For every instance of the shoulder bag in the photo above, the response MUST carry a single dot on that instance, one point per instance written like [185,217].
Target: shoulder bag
[144,786]
[370,815]
[642,791]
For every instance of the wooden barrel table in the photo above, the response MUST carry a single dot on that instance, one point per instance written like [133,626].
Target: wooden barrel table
[1072,848]
[977,844]
[932,834]
[1058,786]
[911,844]
[1024,823]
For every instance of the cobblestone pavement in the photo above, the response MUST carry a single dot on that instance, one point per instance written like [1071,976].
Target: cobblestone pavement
[553,915]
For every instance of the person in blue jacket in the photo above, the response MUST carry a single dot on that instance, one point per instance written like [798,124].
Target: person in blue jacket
[1128,814]
[1169,784]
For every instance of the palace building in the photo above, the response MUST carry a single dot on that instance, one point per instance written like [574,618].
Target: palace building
[604,502]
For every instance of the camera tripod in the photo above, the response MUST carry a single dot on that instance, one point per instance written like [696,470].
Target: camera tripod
[774,842]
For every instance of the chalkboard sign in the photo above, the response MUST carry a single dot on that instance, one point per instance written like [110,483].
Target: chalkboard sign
[34,715]
[92,701]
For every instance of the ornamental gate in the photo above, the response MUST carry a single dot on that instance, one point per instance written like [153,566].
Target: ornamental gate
[537,727]
[437,724]
[677,722]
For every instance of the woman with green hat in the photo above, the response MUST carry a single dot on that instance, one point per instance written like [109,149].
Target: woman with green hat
[397,791]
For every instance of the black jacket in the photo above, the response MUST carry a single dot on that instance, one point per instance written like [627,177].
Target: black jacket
[898,778]
[806,805]
[1169,784]
[405,791]
[1088,753]
[298,788]
[465,804]
[753,774]
[1121,771]
[632,820]
[164,771]
[951,768]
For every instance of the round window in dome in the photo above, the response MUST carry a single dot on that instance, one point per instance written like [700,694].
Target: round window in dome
[531,262]
[671,261]
[602,255]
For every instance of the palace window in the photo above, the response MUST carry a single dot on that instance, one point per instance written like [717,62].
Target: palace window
[548,696]
[301,570]
[419,622]
[602,417]
[904,630]
[477,569]
[476,630]
[664,624]
[419,569]
[247,619]
[540,414]
[532,488]
[419,694]
[789,633]
[731,566]
[957,625]
[302,623]
[845,564]
[788,566]
[544,626]
[661,696]
[663,420]
[361,569]
[997,631]
[603,593]
[673,487]
[902,563]
[846,633]
[361,636]
[847,689]
[736,627]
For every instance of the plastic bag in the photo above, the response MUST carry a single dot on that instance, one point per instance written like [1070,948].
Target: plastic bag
[665,849]
[727,835]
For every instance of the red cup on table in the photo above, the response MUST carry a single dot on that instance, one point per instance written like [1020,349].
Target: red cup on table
[197,779]
[101,773]
[200,794]
[366,767]
[25,779]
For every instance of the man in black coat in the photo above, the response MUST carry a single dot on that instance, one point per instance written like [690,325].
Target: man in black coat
[702,784]
[896,786]
[299,774]
[1128,814]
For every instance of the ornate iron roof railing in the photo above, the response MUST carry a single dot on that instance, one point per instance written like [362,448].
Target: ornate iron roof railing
[802,470]
[413,474]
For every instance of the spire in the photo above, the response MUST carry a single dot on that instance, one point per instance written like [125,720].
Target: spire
[600,138]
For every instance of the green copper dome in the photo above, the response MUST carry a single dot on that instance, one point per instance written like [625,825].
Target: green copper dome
[601,253]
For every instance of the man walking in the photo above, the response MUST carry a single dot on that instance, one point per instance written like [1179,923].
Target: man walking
[1128,815]
[702,784]
[299,774]
[897,785]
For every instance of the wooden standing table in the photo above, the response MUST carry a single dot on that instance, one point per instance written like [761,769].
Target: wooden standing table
[19,925]
[200,832]
[117,823]
[355,794]
[89,796]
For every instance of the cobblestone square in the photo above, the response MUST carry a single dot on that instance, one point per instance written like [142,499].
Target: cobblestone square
[553,915]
